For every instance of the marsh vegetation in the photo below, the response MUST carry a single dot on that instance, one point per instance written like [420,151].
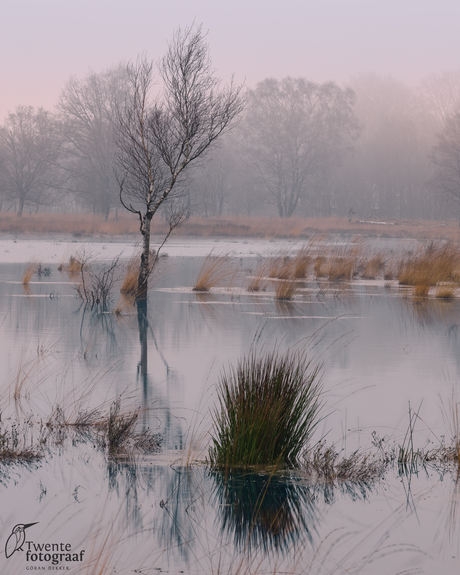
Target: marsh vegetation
[135,402]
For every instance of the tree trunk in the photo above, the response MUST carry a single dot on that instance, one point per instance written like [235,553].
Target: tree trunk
[144,269]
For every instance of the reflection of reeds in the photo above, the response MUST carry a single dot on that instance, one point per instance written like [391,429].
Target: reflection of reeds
[215,271]
[269,408]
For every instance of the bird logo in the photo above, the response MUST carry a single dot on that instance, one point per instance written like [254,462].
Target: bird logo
[16,540]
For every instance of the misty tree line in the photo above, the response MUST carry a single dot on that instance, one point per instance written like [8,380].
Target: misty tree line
[374,149]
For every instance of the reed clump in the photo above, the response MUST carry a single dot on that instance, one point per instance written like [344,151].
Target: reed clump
[286,289]
[374,267]
[445,291]
[29,272]
[215,271]
[430,265]
[301,263]
[343,263]
[259,281]
[130,280]
[318,266]
[73,266]
[269,406]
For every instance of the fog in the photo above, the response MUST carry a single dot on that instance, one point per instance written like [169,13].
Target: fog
[44,43]
[343,108]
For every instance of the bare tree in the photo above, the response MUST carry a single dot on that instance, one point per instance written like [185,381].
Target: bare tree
[294,129]
[158,141]
[446,159]
[29,151]
[88,109]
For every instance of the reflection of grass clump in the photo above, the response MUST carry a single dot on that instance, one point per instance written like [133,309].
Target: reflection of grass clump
[269,407]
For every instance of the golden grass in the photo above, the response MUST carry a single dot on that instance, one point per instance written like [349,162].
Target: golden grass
[130,280]
[73,266]
[237,226]
[301,263]
[374,267]
[430,265]
[216,270]
[445,291]
[285,290]
[421,290]
[29,272]
[318,266]
[259,281]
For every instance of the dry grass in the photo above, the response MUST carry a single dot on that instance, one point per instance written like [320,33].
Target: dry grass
[216,270]
[374,267]
[130,280]
[343,262]
[324,463]
[238,226]
[436,264]
[29,272]
[259,280]
[73,266]
[445,291]
[318,266]
[301,263]
[285,290]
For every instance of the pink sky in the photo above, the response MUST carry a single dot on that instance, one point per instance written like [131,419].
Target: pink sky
[44,42]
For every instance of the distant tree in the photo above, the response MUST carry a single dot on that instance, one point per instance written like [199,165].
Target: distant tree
[387,174]
[29,150]
[442,93]
[158,141]
[295,129]
[445,156]
[88,110]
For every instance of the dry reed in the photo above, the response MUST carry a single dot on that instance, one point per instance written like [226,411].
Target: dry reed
[215,271]
[29,272]
[259,280]
[301,263]
[374,267]
[285,290]
[445,291]
[130,280]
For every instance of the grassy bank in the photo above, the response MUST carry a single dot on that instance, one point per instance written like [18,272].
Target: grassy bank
[238,226]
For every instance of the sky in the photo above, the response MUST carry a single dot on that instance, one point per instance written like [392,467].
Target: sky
[45,42]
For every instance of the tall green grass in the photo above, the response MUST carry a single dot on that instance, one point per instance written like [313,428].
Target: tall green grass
[268,409]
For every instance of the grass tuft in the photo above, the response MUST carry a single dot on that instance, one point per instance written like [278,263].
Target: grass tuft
[215,271]
[269,408]
[286,289]
[29,272]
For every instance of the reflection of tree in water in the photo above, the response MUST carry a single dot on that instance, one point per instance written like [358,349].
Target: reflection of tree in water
[265,511]
[172,434]
[95,329]
[180,526]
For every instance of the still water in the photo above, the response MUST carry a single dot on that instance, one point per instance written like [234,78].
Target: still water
[380,352]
